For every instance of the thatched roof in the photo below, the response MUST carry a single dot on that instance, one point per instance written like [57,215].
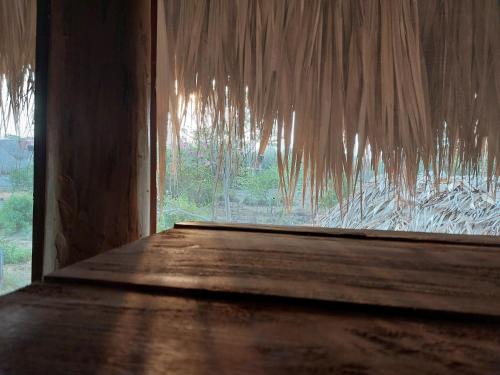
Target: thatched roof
[17,54]
[405,82]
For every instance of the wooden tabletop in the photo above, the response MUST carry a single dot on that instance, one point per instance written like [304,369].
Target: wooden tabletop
[359,234]
[73,329]
[436,276]
[216,299]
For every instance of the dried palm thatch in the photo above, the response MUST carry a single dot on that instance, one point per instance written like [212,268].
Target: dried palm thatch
[339,82]
[460,206]
[17,55]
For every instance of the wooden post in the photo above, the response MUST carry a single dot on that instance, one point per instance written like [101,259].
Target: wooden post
[97,127]
[153,130]
[40,152]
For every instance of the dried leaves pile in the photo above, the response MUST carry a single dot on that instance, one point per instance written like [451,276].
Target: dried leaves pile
[460,206]
[339,82]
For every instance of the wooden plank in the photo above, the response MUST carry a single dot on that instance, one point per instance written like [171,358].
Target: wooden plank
[411,275]
[57,329]
[347,233]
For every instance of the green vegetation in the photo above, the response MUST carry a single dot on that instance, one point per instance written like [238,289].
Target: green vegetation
[181,208]
[16,213]
[13,254]
[260,187]
[21,179]
[206,183]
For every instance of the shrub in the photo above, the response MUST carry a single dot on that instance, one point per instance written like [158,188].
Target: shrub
[13,254]
[16,213]
[179,209]
[21,179]
[262,187]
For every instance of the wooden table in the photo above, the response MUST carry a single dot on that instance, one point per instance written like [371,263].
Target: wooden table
[206,298]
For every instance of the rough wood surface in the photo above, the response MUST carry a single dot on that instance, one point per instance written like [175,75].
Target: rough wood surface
[347,233]
[411,275]
[63,329]
[97,128]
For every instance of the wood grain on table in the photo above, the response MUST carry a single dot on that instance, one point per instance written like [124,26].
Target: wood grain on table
[71,329]
[422,275]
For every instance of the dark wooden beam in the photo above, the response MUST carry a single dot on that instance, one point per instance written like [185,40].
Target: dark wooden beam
[40,151]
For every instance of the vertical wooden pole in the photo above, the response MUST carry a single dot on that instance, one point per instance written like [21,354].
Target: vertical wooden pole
[40,157]
[153,132]
[97,127]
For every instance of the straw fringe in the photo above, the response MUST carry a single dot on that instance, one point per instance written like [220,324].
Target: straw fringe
[339,82]
[17,55]
[405,82]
